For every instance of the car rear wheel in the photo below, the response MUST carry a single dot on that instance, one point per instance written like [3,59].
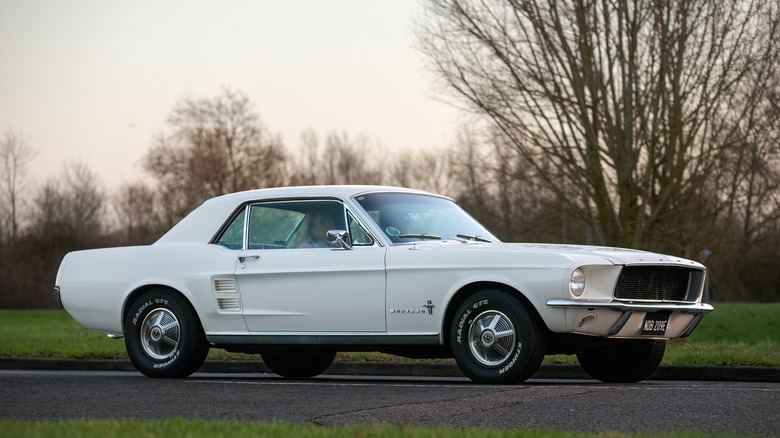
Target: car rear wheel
[627,362]
[163,336]
[298,364]
[495,339]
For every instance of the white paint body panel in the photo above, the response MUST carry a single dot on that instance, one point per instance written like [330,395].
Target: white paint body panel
[313,290]
[383,289]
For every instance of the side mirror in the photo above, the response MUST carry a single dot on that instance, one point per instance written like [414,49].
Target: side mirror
[339,239]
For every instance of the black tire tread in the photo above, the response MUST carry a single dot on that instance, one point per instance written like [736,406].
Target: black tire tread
[298,365]
[629,362]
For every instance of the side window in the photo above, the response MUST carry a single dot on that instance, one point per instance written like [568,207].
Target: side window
[233,236]
[319,217]
[291,224]
[272,224]
[357,233]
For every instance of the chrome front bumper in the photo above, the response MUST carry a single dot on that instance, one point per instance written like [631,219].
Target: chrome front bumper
[616,319]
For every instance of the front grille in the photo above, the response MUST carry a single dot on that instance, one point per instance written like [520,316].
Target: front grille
[655,283]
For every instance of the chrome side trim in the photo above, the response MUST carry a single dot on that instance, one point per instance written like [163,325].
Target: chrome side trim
[329,340]
[642,307]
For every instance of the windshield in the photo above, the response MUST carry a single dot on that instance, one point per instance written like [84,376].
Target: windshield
[406,218]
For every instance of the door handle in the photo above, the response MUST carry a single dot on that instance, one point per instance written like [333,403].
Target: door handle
[242,259]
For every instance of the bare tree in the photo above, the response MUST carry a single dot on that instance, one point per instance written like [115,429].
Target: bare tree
[748,242]
[625,110]
[338,159]
[307,169]
[136,214]
[15,154]
[349,161]
[500,188]
[68,212]
[421,169]
[216,146]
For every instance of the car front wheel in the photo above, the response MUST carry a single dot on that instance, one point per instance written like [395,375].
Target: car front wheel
[298,364]
[163,336]
[627,362]
[495,339]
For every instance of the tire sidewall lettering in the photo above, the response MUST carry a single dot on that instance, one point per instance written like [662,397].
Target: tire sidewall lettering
[464,322]
[508,366]
[140,311]
[168,362]
[148,303]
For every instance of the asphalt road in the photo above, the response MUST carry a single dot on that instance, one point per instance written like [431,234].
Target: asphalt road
[580,405]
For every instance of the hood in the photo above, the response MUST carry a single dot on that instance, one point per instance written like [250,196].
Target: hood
[618,256]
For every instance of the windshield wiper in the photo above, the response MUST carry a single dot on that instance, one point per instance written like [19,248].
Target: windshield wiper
[431,236]
[477,238]
[421,236]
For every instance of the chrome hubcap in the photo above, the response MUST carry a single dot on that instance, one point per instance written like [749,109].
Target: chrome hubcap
[160,334]
[492,338]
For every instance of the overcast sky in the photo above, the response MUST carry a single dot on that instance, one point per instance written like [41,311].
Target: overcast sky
[93,81]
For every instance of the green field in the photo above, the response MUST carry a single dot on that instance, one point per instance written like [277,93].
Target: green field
[734,334]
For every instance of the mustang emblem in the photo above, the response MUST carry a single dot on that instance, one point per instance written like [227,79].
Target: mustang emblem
[430,306]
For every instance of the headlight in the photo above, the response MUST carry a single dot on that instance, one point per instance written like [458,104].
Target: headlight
[577,282]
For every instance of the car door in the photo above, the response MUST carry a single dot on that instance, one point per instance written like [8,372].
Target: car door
[291,281]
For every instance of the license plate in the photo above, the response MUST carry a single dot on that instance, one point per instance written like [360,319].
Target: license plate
[655,324]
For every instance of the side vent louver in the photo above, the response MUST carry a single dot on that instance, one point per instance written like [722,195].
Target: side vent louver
[225,292]
[224,285]
[228,303]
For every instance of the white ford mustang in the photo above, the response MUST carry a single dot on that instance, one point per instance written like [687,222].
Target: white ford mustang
[297,274]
